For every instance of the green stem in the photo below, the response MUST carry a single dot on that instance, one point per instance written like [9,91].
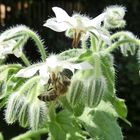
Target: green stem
[38,43]
[117,44]
[31,134]
[97,65]
[100,45]
[25,60]
[93,43]
[52,113]
[118,34]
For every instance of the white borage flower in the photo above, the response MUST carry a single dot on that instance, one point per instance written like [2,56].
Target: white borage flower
[8,48]
[78,26]
[52,65]
[114,17]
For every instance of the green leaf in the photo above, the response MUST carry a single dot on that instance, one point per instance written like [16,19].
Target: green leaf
[101,122]
[56,131]
[109,73]
[70,54]
[120,107]
[117,103]
[85,55]
[65,127]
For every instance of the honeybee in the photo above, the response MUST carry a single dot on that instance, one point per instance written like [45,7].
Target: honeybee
[59,85]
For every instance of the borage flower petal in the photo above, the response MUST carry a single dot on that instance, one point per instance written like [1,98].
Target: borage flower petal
[79,25]
[56,26]
[61,15]
[52,65]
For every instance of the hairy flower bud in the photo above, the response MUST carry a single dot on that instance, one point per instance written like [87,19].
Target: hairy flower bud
[23,115]
[128,47]
[13,107]
[37,114]
[114,17]
[75,91]
[95,88]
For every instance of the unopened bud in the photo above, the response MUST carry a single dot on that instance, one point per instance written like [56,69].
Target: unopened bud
[37,114]
[95,88]
[114,17]
[75,91]
[23,115]
[13,107]
[128,47]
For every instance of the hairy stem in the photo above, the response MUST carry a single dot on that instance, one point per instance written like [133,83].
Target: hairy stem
[25,60]
[93,43]
[97,65]
[38,43]
[117,44]
[31,134]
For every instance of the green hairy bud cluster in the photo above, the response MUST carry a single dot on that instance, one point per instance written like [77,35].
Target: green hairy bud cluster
[114,17]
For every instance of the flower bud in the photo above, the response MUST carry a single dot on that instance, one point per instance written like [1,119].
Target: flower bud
[95,88]
[13,107]
[75,91]
[114,17]
[23,115]
[37,114]
[128,47]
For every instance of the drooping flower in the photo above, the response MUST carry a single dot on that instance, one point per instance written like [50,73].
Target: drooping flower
[8,48]
[52,65]
[77,26]
[12,41]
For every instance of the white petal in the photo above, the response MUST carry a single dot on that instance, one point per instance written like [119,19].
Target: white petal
[44,75]
[61,15]
[69,66]
[82,66]
[56,26]
[102,35]
[6,49]
[105,38]
[96,22]
[53,63]
[28,72]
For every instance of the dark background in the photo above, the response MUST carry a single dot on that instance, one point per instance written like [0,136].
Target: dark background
[34,13]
